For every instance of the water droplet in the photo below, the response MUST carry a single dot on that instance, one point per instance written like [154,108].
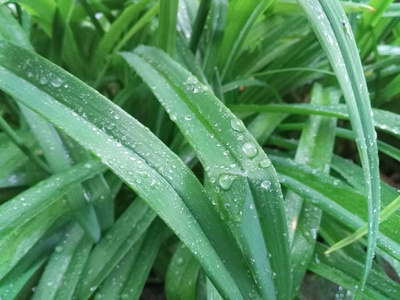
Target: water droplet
[180,261]
[266,185]
[265,163]
[44,80]
[226,180]
[237,124]
[58,249]
[57,82]
[250,150]
[188,118]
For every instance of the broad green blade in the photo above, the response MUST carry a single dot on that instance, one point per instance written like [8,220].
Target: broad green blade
[334,32]
[241,173]
[133,153]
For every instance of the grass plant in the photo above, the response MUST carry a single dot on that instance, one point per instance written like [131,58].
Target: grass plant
[154,149]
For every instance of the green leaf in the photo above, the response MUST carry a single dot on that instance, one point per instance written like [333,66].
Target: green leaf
[346,272]
[384,120]
[11,157]
[360,232]
[109,289]
[333,30]
[113,247]
[241,18]
[167,25]
[134,154]
[57,274]
[182,275]
[240,171]
[315,149]
[331,195]
[144,261]
[27,217]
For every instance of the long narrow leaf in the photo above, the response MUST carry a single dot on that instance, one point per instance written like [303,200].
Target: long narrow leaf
[332,28]
[240,171]
[133,153]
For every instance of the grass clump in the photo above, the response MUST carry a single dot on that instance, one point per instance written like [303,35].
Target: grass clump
[199,149]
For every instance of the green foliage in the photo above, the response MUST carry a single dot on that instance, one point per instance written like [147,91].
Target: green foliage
[199,149]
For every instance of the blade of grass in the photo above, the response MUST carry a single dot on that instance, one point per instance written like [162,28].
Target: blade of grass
[315,149]
[198,25]
[360,232]
[177,197]
[167,25]
[384,120]
[11,157]
[22,146]
[92,17]
[240,20]
[32,212]
[332,28]
[345,272]
[109,289]
[214,36]
[331,195]
[113,247]
[50,141]
[118,27]
[148,252]
[240,171]
[14,289]
[291,6]
[183,271]
[57,268]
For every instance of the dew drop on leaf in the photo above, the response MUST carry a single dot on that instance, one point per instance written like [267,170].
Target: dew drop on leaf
[57,82]
[226,180]
[265,163]
[266,185]
[44,80]
[250,150]
[237,125]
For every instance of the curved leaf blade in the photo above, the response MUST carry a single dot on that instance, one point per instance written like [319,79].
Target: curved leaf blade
[241,173]
[333,30]
[133,153]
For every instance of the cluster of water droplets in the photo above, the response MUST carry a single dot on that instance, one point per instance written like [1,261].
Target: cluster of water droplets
[193,85]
